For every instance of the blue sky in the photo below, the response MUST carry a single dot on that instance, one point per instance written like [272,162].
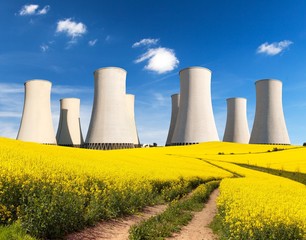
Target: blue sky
[240,41]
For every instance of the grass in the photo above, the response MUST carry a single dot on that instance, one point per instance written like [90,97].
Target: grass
[295,176]
[218,227]
[178,214]
[14,232]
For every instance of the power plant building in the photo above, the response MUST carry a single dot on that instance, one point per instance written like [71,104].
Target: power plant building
[236,129]
[175,108]
[269,125]
[110,126]
[130,107]
[36,122]
[69,128]
[195,120]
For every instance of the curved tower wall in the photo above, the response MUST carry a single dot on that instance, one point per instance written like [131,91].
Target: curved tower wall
[175,108]
[269,125]
[237,129]
[195,122]
[36,122]
[109,125]
[69,128]
[130,106]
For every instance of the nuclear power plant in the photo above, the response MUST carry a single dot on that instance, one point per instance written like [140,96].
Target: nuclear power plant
[130,106]
[236,129]
[69,127]
[269,125]
[195,121]
[113,126]
[36,122]
[175,108]
[110,126]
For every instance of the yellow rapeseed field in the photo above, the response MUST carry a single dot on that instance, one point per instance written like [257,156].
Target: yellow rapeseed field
[55,190]
[282,157]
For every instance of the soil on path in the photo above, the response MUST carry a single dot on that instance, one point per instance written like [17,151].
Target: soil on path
[198,228]
[116,229]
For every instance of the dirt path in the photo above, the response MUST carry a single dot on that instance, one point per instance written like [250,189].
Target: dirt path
[116,229]
[198,228]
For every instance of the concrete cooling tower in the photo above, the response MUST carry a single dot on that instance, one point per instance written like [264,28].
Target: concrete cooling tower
[175,108]
[236,129]
[195,120]
[36,122]
[69,128]
[110,126]
[269,125]
[130,106]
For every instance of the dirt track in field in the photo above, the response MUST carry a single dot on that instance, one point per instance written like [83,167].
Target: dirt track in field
[116,229]
[198,228]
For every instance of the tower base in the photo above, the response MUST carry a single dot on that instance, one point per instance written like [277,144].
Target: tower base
[108,146]
[182,144]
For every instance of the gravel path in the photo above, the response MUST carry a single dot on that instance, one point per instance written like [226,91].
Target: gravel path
[198,228]
[116,229]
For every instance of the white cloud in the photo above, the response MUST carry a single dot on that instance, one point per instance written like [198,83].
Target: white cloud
[44,11]
[71,28]
[28,9]
[145,42]
[273,48]
[92,42]
[160,60]
[44,47]
[32,9]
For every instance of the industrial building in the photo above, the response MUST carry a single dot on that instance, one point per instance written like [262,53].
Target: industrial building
[36,122]
[130,106]
[69,127]
[269,125]
[175,108]
[195,121]
[236,129]
[113,125]
[110,126]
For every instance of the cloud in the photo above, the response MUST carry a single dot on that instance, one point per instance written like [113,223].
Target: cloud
[71,28]
[160,60]
[33,9]
[273,48]
[11,104]
[44,11]
[160,100]
[108,38]
[64,90]
[44,47]
[145,42]
[92,42]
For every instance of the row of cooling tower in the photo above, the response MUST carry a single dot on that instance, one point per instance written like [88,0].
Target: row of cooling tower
[192,118]
[112,124]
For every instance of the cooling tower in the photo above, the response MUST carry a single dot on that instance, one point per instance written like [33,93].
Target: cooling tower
[236,129]
[36,122]
[269,125]
[175,108]
[195,121]
[110,126]
[69,128]
[130,106]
